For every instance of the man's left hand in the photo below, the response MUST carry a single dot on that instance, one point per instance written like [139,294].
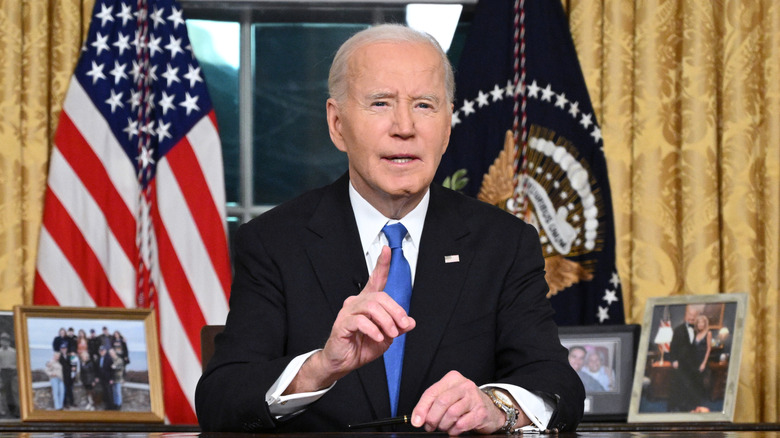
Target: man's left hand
[455,405]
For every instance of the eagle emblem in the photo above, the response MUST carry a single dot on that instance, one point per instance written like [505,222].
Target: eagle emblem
[560,204]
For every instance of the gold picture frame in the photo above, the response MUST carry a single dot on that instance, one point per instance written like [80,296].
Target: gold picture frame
[687,374]
[9,379]
[123,382]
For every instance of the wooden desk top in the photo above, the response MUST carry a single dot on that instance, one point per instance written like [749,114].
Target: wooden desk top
[586,430]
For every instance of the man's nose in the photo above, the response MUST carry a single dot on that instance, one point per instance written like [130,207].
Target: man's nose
[403,125]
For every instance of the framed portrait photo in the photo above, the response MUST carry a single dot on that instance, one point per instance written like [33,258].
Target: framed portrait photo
[9,379]
[88,364]
[603,357]
[689,357]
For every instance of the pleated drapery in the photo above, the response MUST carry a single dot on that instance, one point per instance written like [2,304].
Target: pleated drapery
[39,47]
[688,97]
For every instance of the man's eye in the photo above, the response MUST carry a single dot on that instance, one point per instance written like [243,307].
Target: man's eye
[379,104]
[424,105]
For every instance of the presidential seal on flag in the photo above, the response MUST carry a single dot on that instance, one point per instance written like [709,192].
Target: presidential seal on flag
[555,195]
[525,138]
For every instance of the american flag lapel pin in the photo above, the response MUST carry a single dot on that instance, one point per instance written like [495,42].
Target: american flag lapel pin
[455,258]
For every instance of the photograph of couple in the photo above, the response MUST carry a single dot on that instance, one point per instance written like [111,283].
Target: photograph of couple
[688,358]
[594,362]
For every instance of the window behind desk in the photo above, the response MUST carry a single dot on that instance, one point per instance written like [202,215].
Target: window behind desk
[266,66]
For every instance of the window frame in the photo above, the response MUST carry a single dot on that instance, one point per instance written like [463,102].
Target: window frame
[248,12]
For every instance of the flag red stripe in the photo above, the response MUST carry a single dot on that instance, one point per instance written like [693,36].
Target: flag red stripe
[213,118]
[43,295]
[186,169]
[93,175]
[176,282]
[66,234]
[174,397]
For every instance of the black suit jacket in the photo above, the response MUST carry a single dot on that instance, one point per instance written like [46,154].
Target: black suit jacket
[104,371]
[680,348]
[485,316]
[684,392]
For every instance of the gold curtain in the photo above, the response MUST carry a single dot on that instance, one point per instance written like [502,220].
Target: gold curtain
[688,97]
[39,47]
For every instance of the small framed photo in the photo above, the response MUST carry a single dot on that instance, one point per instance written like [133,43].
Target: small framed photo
[603,357]
[88,364]
[689,357]
[9,379]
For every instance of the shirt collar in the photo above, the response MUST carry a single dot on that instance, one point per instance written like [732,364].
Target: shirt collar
[370,221]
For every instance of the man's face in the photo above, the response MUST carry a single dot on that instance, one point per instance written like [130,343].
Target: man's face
[394,123]
[576,358]
[594,362]
[690,314]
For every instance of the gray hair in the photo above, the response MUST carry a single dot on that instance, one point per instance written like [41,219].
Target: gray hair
[337,79]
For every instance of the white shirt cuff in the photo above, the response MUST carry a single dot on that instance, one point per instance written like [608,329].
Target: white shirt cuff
[538,409]
[281,405]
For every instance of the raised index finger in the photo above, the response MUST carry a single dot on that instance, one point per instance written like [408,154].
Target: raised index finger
[378,278]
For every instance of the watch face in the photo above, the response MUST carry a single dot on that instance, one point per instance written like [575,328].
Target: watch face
[503,398]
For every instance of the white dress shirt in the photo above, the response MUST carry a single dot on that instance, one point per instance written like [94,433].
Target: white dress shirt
[370,223]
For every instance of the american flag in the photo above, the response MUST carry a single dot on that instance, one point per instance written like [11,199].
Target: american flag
[134,212]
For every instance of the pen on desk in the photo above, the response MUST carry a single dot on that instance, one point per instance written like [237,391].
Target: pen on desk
[403,419]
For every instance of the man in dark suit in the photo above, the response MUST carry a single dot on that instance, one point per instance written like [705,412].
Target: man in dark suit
[303,345]
[67,375]
[683,394]
[105,376]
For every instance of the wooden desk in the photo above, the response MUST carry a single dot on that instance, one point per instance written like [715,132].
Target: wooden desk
[587,430]
[660,378]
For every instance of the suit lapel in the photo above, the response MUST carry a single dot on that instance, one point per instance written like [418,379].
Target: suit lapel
[336,255]
[437,287]
[334,250]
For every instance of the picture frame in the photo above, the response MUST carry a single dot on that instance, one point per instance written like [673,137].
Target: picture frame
[604,358]
[112,377]
[683,378]
[9,379]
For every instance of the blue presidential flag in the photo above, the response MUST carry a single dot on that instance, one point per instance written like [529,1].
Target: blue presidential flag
[525,138]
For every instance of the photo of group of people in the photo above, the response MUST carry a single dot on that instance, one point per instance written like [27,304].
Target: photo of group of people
[97,361]
[88,365]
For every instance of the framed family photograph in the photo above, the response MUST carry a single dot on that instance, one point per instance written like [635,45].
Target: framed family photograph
[689,357]
[9,379]
[603,357]
[88,364]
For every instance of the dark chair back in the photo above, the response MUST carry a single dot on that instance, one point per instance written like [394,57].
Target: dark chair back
[207,334]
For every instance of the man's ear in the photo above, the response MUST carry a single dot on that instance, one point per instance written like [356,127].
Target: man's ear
[335,124]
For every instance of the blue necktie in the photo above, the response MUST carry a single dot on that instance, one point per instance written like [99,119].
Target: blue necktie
[399,287]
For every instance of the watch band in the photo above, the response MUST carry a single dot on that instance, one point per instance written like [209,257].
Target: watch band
[508,409]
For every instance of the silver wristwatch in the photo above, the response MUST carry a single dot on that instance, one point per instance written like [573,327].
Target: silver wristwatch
[505,404]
